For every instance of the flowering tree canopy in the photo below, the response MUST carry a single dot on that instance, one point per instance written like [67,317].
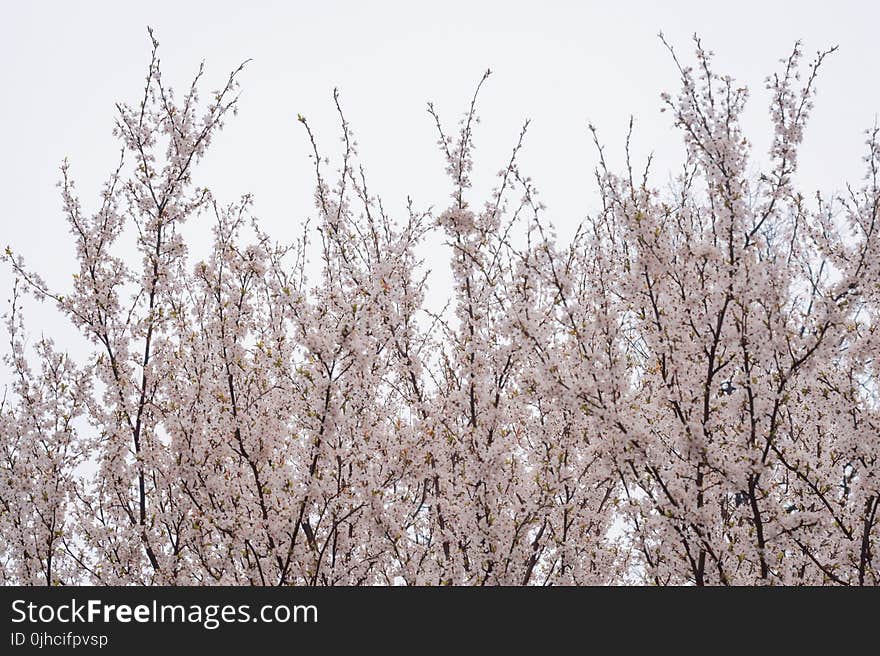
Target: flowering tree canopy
[685,393]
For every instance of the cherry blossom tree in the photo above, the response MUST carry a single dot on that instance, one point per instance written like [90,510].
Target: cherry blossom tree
[41,450]
[749,430]
[684,393]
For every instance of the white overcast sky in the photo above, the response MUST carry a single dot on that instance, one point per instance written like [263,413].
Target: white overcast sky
[561,64]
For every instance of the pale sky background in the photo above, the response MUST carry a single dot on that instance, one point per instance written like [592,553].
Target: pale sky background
[561,64]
